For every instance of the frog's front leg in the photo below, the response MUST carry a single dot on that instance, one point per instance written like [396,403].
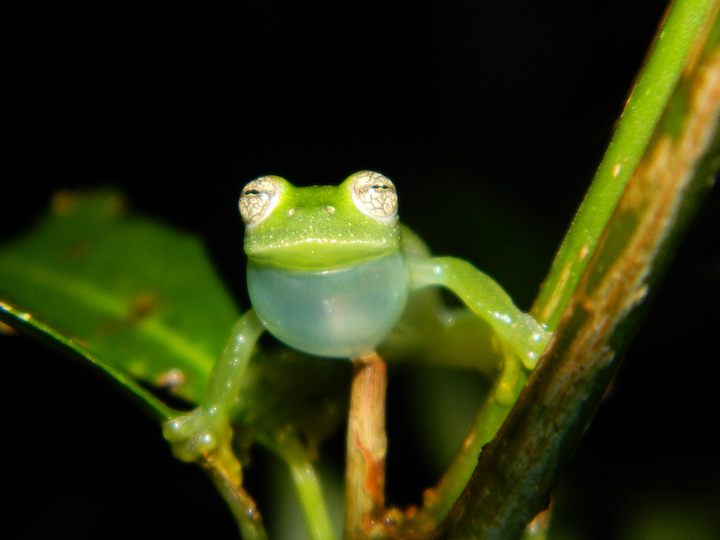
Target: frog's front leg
[205,431]
[519,334]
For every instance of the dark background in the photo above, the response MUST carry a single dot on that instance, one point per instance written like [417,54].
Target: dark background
[491,120]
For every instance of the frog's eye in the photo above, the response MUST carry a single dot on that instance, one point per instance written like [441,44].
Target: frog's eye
[374,195]
[258,199]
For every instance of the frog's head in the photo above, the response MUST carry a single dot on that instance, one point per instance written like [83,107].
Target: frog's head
[320,226]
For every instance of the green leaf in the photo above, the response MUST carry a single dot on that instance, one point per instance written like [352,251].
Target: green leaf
[141,302]
[129,294]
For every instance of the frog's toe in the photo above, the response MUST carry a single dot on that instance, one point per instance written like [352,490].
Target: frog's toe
[192,435]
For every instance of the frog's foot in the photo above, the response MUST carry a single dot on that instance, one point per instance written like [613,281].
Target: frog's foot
[197,434]
[524,352]
[533,343]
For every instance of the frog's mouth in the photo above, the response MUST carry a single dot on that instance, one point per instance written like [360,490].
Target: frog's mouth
[314,254]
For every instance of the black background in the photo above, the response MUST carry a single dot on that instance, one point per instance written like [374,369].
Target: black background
[491,120]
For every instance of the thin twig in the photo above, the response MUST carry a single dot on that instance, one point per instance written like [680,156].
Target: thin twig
[241,504]
[366,448]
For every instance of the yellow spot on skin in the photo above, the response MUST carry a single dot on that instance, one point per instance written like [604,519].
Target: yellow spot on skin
[583,252]
[616,170]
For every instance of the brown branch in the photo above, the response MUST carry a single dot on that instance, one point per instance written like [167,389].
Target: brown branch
[366,448]
[515,472]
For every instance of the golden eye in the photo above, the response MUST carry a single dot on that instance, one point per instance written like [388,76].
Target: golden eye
[374,195]
[258,199]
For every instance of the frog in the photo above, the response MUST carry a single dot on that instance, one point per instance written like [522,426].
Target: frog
[334,274]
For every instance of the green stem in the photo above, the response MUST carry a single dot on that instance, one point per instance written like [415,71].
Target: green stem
[516,471]
[642,112]
[440,500]
[307,483]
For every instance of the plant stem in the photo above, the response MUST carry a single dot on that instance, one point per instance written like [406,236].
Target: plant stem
[642,112]
[492,413]
[306,481]
[241,505]
[517,469]
[366,447]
